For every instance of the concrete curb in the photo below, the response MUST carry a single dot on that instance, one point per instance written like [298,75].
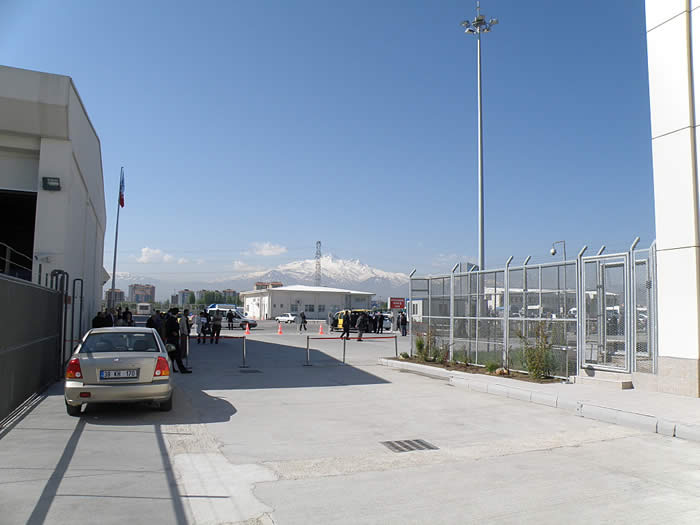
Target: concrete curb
[644,422]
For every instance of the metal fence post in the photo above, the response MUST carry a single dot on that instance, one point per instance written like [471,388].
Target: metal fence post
[410,312]
[506,314]
[452,311]
[308,363]
[396,345]
[580,309]
[631,310]
[344,340]
[244,365]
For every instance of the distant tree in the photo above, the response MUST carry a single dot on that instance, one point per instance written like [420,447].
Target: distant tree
[191,299]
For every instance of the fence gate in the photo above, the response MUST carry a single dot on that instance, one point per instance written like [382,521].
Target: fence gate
[605,315]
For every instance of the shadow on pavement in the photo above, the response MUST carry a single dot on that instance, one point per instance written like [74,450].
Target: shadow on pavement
[270,365]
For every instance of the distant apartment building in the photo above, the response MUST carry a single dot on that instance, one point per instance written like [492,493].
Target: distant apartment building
[199,295]
[230,296]
[114,296]
[183,297]
[142,293]
[173,299]
[261,285]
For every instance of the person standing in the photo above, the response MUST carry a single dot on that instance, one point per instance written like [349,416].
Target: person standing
[184,333]
[346,325]
[128,318]
[229,318]
[403,321]
[361,325]
[172,329]
[202,327]
[380,322]
[216,326]
[302,315]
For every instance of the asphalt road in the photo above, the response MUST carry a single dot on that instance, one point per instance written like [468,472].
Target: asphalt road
[284,443]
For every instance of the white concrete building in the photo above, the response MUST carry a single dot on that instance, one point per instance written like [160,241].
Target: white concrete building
[673,44]
[52,203]
[315,301]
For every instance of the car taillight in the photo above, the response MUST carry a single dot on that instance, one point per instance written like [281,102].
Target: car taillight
[162,368]
[73,370]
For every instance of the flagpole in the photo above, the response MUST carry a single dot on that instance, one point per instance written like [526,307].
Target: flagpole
[110,303]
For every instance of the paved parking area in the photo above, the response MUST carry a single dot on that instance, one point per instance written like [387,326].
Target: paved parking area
[288,444]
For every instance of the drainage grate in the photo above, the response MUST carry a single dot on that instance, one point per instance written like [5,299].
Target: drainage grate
[408,445]
[249,371]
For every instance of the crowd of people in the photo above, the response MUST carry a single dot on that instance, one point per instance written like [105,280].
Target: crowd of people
[113,317]
[372,322]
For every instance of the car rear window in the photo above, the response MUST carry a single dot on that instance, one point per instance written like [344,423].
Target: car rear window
[119,342]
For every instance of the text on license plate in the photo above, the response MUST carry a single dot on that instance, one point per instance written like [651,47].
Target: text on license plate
[118,374]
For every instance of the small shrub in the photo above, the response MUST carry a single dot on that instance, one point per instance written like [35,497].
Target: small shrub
[492,366]
[421,351]
[404,355]
[538,358]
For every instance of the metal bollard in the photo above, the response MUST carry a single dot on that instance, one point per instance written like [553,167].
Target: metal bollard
[344,340]
[308,363]
[244,365]
[396,345]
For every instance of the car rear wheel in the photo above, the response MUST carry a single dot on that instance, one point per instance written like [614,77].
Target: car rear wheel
[166,406]
[72,410]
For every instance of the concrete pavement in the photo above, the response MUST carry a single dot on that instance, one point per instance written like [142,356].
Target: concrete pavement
[284,443]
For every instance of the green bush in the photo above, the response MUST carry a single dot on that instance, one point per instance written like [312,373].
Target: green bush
[421,351]
[538,358]
[492,366]
[404,355]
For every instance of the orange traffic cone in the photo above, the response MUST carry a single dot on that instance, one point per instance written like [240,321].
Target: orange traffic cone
[320,329]
[247,329]
[279,328]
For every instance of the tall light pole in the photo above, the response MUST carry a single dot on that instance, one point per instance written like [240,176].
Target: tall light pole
[477,26]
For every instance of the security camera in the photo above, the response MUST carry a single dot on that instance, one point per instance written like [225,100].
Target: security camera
[553,251]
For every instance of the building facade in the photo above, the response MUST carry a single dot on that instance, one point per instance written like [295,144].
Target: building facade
[673,27]
[315,301]
[115,296]
[51,183]
[262,285]
[183,297]
[142,293]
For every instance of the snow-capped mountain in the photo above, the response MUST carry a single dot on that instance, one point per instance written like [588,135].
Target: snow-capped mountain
[336,273]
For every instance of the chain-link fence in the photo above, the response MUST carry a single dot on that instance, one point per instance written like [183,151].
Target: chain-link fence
[511,315]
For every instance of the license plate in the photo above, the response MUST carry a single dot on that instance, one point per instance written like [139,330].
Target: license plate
[119,374]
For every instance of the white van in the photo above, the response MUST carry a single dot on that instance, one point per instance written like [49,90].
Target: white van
[239,320]
[144,309]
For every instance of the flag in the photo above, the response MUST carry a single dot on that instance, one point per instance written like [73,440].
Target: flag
[121,189]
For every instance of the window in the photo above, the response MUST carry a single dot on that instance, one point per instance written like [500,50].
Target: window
[274,306]
[119,342]
[295,308]
[321,307]
[309,308]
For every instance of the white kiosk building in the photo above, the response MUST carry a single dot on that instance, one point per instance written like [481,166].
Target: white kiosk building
[315,301]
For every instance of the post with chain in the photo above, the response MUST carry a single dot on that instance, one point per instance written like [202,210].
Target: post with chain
[244,365]
[308,363]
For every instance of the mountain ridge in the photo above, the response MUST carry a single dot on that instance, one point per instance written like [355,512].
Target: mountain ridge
[335,273]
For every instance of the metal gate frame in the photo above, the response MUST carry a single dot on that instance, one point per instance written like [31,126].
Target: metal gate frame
[629,318]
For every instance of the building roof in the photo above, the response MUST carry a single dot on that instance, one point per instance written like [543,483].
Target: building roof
[305,288]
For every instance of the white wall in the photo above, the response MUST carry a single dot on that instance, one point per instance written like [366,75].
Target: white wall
[45,132]
[673,56]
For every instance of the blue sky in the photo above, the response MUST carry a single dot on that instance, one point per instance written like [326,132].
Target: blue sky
[354,123]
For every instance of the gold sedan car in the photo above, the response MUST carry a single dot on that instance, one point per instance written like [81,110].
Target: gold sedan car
[119,364]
